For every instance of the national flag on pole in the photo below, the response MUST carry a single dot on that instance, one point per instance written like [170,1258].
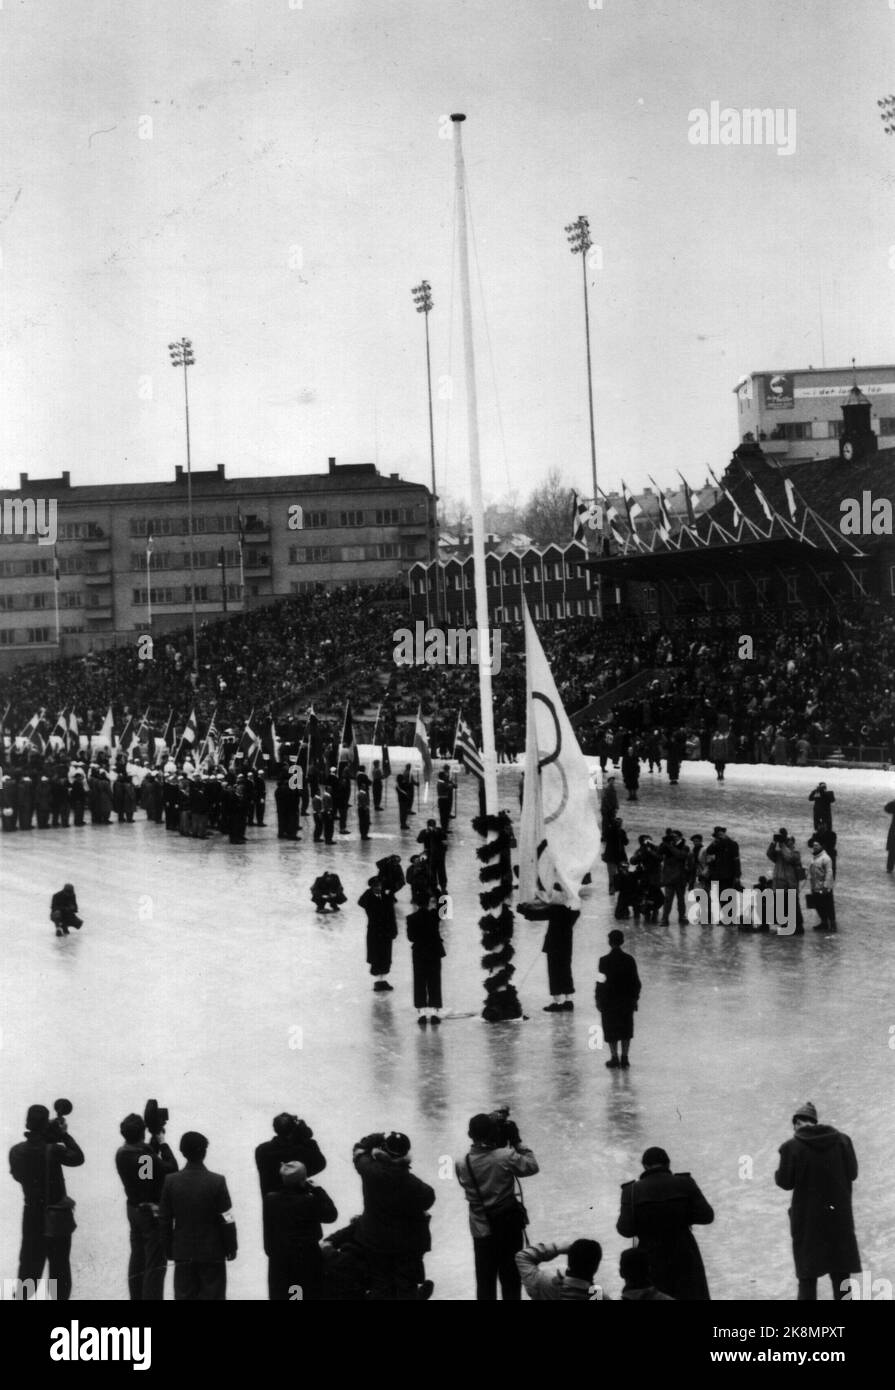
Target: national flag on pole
[790,497]
[55,566]
[189,735]
[59,737]
[691,501]
[421,743]
[737,514]
[163,745]
[73,730]
[633,510]
[270,744]
[35,732]
[465,750]
[612,516]
[249,744]
[664,527]
[107,732]
[211,742]
[560,830]
[586,516]
[3,721]
[127,736]
[149,546]
[348,743]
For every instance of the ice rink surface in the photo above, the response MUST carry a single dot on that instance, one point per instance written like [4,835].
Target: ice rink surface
[204,978]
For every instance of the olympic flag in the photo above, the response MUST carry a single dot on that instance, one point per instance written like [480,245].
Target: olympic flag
[559,837]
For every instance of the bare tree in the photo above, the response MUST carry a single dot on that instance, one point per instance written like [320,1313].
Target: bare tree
[548,516]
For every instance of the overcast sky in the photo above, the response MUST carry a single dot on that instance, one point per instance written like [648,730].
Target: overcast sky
[268,128]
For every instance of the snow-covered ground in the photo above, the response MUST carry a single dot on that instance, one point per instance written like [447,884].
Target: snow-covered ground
[203,977]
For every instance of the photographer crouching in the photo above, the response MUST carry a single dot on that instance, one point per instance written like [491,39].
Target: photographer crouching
[488,1174]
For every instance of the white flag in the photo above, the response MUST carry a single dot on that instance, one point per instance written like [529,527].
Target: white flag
[559,837]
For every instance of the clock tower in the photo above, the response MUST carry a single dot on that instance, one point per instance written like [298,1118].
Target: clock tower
[858,440]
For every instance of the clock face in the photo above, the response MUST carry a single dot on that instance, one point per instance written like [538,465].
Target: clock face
[848,450]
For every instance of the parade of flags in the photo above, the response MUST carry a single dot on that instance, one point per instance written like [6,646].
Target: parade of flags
[210,744]
[421,744]
[35,732]
[559,835]
[165,742]
[59,737]
[465,750]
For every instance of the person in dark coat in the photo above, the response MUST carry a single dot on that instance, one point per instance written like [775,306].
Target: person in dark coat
[64,910]
[616,996]
[9,804]
[328,814]
[631,769]
[236,812]
[377,781]
[445,786]
[26,803]
[889,809]
[42,802]
[818,1166]
[634,1268]
[37,1165]
[197,1225]
[658,1209]
[822,800]
[293,1142]
[393,1230]
[434,842]
[288,804]
[427,949]
[59,804]
[614,853]
[142,1168]
[382,928]
[722,858]
[259,783]
[327,892]
[77,796]
[557,947]
[362,801]
[675,860]
[151,798]
[293,1228]
[404,786]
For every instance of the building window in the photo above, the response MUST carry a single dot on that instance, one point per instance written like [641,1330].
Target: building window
[388,516]
[793,429]
[887,424]
[7,637]
[351,518]
[352,553]
[314,521]
[37,634]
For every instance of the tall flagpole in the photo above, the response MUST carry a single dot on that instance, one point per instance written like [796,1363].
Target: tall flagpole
[483,643]
[56,590]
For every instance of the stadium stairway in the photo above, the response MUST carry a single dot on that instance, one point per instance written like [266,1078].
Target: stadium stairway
[628,690]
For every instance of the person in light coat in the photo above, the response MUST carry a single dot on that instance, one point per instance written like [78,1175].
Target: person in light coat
[820,885]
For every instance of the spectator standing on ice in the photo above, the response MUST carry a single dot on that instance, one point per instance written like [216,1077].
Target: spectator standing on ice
[818,1166]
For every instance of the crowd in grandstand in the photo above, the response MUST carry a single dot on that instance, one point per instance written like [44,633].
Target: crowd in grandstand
[801,683]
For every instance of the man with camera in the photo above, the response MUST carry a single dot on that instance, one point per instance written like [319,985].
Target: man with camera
[822,800]
[142,1168]
[488,1174]
[722,858]
[788,871]
[393,1230]
[48,1219]
[293,1142]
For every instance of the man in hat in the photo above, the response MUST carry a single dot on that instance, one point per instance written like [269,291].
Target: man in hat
[294,1216]
[658,1208]
[393,1230]
[293,1142]
[37,1165]
[382,928]
[142,1168]
[722,859]
[818,1166]
[197,1225]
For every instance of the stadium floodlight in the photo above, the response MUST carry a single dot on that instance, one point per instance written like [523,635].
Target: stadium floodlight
[182,355]
[579,238]
[422,298]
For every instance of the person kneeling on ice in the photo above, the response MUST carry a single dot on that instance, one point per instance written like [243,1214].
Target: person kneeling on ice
[64,910]
[560,919]
[327,892]
[427,948]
